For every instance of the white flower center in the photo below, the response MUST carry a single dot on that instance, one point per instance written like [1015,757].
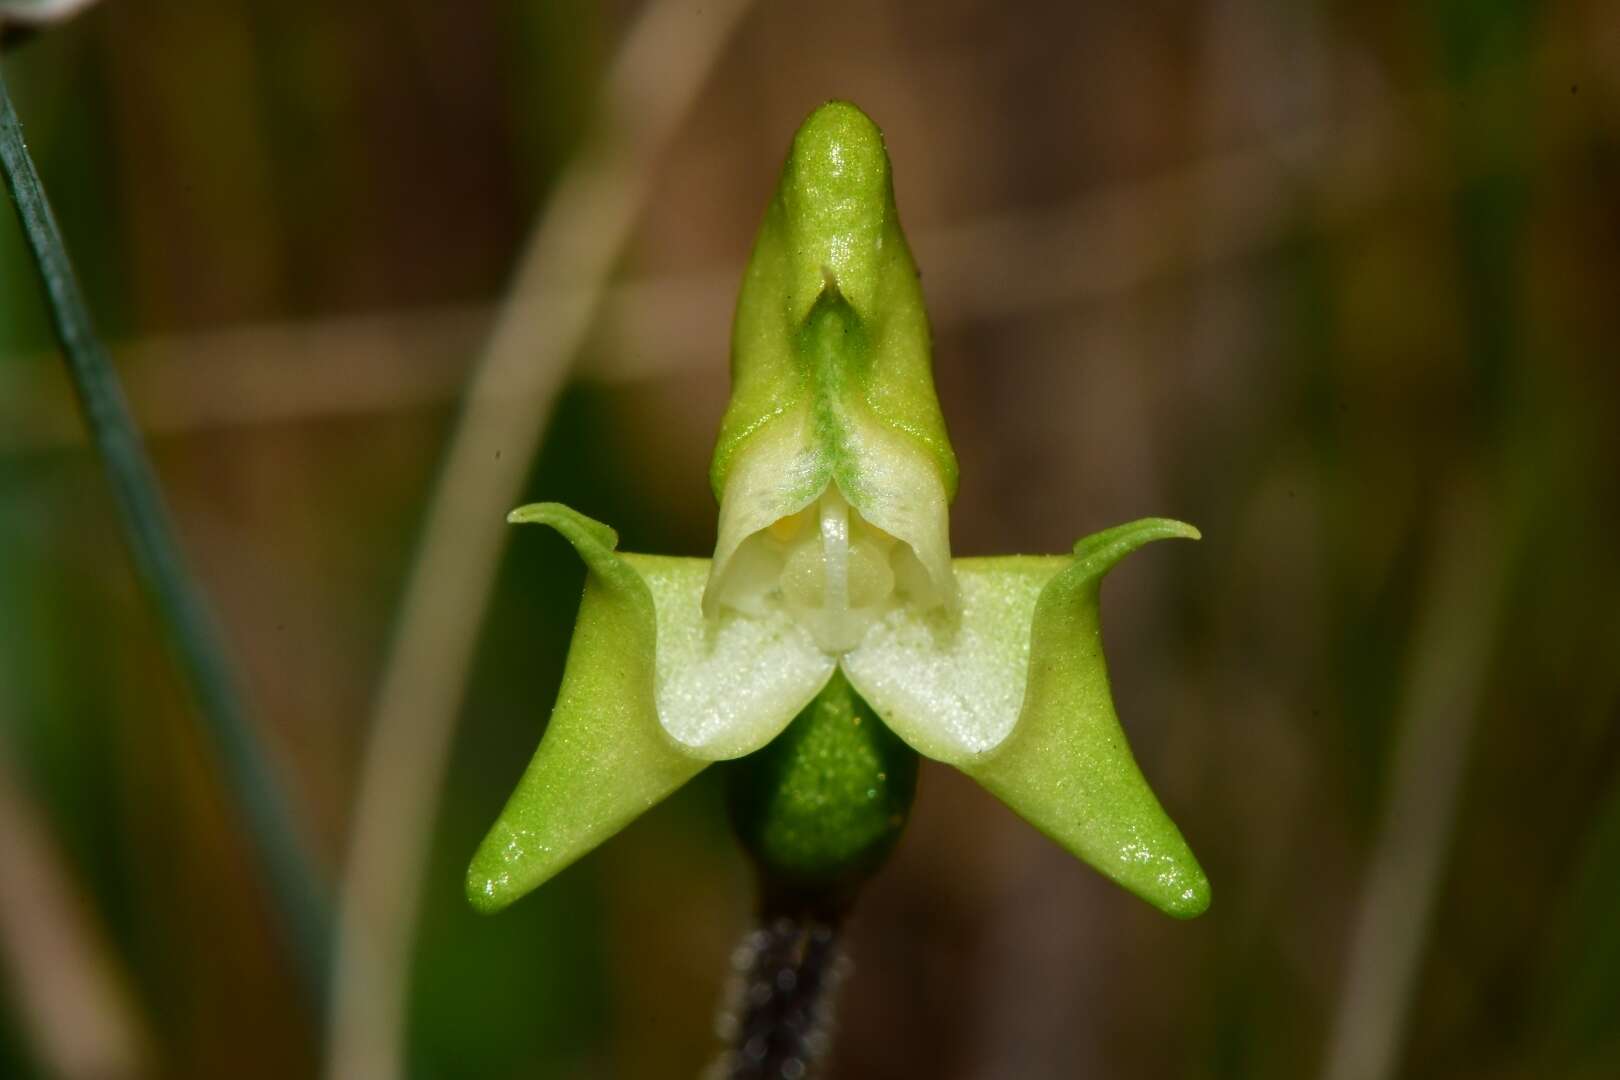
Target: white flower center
[832,570]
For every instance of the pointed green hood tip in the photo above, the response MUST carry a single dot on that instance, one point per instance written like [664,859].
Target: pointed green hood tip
[831,366]
[837,200]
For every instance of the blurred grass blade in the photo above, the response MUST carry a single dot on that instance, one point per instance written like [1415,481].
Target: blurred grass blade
[19,18]
[558,285]
[162,570]
[35,12]
[69,992]
[1451,654]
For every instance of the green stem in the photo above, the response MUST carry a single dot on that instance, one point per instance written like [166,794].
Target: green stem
[161,569]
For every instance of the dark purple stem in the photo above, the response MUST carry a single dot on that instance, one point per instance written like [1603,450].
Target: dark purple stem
[779,1021]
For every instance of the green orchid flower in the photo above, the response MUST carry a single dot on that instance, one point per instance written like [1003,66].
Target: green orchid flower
[832,638]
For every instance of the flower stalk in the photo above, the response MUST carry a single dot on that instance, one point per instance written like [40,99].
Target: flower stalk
[778,1021]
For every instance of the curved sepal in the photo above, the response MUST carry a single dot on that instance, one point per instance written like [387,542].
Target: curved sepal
[604,758]
[1066,767]
[651,693]
[1013,691]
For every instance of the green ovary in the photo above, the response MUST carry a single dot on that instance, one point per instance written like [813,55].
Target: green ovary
[822,805]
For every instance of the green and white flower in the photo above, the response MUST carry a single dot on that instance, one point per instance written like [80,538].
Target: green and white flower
[832,592]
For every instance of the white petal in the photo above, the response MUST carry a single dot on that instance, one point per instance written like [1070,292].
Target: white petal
[725,686]
[782,472]
[897,487]
[952,684]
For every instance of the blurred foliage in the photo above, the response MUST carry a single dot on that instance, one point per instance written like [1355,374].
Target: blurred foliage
[1397,296]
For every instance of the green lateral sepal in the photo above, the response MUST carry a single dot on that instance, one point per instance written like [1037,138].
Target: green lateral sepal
[1014,692]
[604,758]
[651,693]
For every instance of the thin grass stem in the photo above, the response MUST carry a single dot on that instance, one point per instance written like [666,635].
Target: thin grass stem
[162,572]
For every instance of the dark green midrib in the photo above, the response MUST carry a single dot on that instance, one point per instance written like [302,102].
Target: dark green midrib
[187,621]
[833,346]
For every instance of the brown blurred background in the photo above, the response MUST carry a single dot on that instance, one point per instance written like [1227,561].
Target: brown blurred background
[1337,283]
